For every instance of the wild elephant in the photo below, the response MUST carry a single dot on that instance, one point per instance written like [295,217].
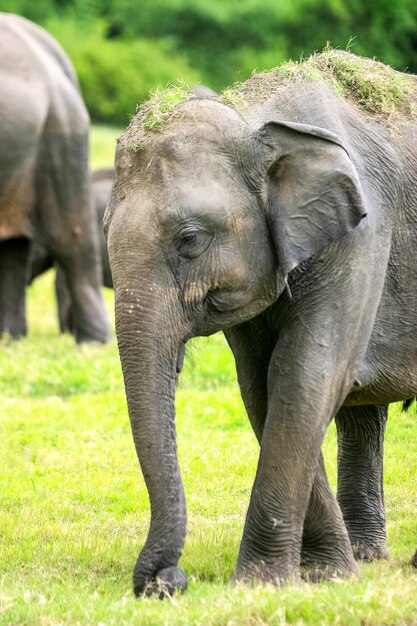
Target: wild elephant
[285,214]
[44,179]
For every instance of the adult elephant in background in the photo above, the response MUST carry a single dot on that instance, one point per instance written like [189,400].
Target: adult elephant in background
[284,214]
[41,260]
[44,179]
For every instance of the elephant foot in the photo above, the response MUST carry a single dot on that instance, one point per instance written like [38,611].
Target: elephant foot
[369,552]
[84,338]
[367,534]
[165,583]
[317,567]
[414,559]
[315,571]
[12,334]
[326,574]
[312,570]
[266,574]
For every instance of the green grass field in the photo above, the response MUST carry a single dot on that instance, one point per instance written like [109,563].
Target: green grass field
[74,509]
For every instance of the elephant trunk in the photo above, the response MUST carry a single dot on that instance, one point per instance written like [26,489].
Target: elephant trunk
[150,328]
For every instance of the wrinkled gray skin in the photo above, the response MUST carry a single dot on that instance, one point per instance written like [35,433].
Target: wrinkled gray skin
[44,180]
[207,221]
[41,260]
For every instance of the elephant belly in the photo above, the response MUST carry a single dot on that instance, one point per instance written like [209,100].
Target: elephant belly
[386,379]
[389,369]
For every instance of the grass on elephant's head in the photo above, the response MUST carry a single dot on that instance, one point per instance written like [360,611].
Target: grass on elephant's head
[157,112]
[374,87]
[74,510]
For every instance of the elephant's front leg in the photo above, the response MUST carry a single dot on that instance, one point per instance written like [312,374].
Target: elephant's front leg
[325,550]
[272,543]
[360,489]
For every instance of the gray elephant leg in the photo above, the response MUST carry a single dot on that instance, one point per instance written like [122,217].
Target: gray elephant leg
[14,269]
[360,490]
[63,298]
[326,550]
[252,344]
[299,411]
[68,228]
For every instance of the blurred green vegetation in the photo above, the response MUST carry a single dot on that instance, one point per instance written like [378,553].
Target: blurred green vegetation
[123,48]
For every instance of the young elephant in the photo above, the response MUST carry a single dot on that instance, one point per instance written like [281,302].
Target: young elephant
[44,180]
[284,214]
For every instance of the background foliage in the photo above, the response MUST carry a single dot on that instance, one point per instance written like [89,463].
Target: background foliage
[123,48]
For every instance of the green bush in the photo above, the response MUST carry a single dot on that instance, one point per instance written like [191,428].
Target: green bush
[116,75]
[220,34]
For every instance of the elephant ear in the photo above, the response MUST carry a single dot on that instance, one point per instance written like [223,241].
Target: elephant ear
[314,195]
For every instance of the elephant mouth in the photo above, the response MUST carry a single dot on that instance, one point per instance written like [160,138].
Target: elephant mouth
[220,302]
[220,310]
[224,310]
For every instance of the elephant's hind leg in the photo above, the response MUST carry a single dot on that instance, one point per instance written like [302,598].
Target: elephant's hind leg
[14,267]
[63,297]
[360,490]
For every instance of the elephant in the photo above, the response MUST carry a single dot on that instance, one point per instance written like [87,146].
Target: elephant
[102,183]
[284,214]
[41,260]
[44,180]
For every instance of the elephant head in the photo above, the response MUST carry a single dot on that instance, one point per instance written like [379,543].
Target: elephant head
[207,218]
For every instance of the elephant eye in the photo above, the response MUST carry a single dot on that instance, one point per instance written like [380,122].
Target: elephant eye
[189,239]
[193,242]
